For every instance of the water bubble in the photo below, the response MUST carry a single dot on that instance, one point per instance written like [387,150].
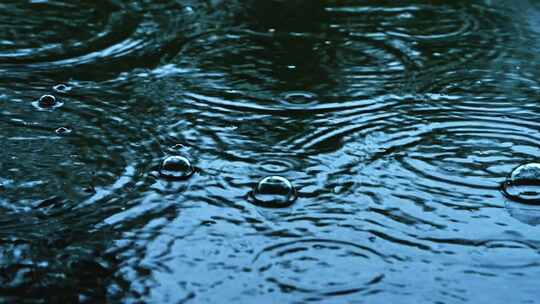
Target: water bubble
[523,185]
[274,192]
[47,101]
[62,88]
[63,130]
[176,167]
[299,98]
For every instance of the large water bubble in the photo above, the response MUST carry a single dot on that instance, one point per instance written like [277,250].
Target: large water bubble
[274,192]
[47,102]
[176,167]
[523,184]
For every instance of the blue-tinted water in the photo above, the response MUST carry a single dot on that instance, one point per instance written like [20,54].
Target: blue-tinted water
[390,126]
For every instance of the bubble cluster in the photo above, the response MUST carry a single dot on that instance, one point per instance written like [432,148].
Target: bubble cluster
[523,184]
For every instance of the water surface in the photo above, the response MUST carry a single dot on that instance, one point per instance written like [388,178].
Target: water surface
[396,121]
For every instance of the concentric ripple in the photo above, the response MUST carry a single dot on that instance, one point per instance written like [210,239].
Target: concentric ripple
[297,82]
[322,266]
[465,151]
[464,34]
[34,39]
[71,149]
[254,76]
[100,32]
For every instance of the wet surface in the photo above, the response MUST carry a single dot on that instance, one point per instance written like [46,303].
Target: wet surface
[393,124]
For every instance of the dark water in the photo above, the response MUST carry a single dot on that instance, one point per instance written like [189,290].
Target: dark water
[396,121]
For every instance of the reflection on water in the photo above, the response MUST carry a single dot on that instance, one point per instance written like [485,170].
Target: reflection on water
[144,140]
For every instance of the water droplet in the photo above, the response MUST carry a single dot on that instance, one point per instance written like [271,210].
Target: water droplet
[62,88]
[523,185]
[63,130]
[274,192]
[176,167]
[47,101]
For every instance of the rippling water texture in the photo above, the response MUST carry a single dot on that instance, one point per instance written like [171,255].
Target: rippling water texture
[396,122]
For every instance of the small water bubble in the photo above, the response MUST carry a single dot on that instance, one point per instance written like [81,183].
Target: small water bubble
[523,184]
[406,15]
[274,192]
[176,167]
[63,130]
[299,98]
[178,147]
[62,88]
